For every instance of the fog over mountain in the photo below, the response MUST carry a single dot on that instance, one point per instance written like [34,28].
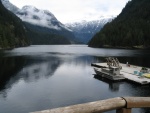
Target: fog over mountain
[35,16]
[38,20]
[42,25]
[39,17]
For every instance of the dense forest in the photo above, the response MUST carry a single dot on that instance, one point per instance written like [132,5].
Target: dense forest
[12,32]
[130,29]
[38,35]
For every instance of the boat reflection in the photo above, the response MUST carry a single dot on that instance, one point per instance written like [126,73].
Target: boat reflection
[113,85]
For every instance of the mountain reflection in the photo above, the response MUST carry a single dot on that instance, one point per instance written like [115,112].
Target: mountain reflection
[33,68]
[41,77]
[25,68]
[9,67]
[39,68]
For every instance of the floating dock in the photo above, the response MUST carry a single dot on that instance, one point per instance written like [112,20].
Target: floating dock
[131,73]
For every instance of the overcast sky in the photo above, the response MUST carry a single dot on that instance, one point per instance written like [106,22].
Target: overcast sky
[73,10]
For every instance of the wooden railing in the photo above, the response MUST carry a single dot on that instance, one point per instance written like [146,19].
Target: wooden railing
[120,104]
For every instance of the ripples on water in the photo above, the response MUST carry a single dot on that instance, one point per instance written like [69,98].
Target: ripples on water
[42,77]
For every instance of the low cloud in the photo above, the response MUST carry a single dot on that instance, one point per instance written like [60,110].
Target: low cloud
[71,10]
[37,17]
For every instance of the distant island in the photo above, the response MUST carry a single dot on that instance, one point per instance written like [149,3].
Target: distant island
[130,29]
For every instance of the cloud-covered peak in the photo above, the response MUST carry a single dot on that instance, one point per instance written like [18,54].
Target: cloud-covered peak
[39,17]
[35,16]
[29,8]
[48,13]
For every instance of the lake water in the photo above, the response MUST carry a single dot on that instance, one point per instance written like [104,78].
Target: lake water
[49,76]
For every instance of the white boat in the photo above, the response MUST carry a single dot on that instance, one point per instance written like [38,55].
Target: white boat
[111,72]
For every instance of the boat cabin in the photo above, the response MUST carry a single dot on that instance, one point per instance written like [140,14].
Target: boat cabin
[112,70]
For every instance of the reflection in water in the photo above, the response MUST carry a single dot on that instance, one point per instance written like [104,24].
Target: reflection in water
[25,68]
[36,78]
[113,85]
[37,68]
[9,67]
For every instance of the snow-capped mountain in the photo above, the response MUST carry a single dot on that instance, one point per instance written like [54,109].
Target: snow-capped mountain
[35,16]
[39,17]
[38,20]
[85,30]
[41,23]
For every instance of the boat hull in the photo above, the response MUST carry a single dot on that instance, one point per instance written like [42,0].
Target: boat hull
[108,75]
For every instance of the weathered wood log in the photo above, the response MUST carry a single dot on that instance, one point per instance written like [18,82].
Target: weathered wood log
[92,107]
[122,105]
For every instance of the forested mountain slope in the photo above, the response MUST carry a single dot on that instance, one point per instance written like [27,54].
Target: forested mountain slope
[43,35]
[130,29]
[12,32]
[41,25]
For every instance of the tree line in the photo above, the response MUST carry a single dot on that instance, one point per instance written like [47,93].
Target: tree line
[131,28]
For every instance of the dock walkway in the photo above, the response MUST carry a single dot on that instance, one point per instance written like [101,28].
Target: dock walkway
[128,73]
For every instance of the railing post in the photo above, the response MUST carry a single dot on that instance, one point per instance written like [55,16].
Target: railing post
[137,102]
[134,102]
[123,110]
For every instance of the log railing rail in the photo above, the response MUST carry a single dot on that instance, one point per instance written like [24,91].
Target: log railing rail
[120,104]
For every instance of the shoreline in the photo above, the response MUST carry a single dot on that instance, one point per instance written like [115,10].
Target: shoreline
[121,47]
[105,47]
[10,48]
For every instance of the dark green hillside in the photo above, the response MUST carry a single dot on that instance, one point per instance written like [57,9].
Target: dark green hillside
[130,29]
[12,32]
[38,35]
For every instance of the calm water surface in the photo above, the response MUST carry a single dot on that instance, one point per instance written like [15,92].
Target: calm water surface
[42,77]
